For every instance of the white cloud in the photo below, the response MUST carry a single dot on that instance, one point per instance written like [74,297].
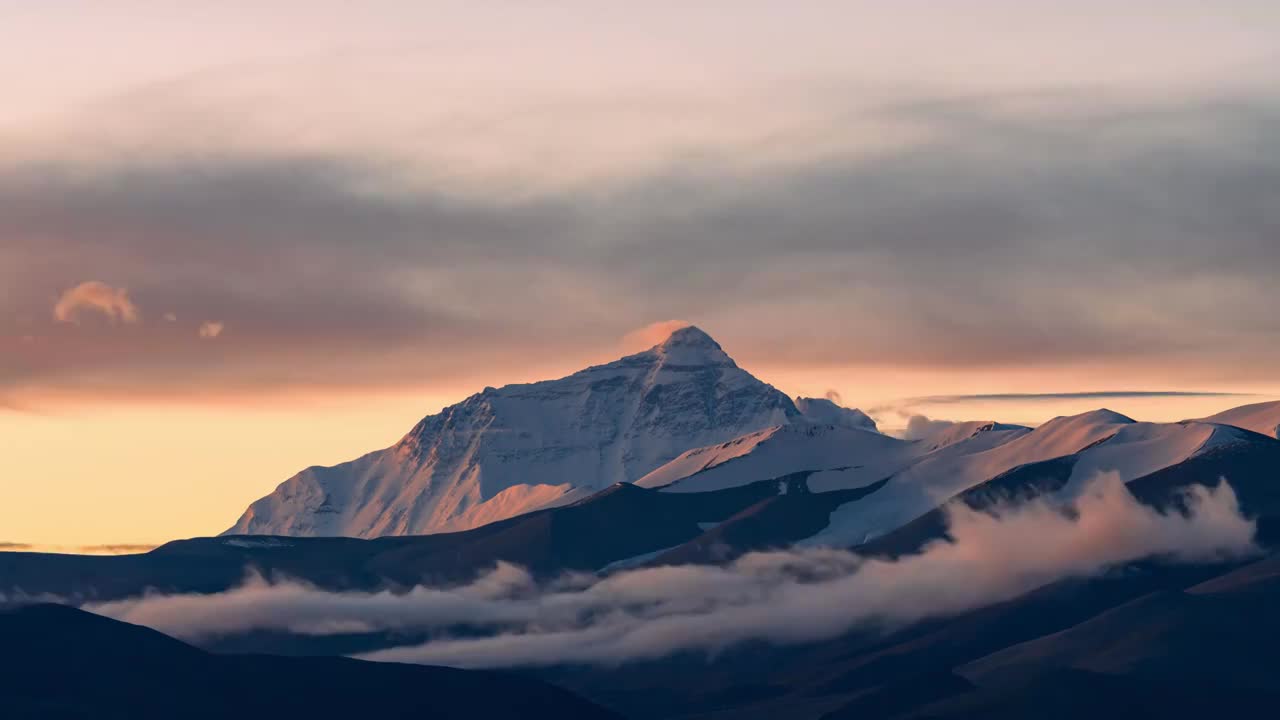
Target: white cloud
[921,426]
[783,597]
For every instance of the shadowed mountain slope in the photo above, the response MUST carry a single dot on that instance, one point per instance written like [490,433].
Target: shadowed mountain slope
[59,662]
[618,523]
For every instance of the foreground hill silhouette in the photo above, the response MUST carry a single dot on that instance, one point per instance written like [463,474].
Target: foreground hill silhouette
[1144,641]
[59,662]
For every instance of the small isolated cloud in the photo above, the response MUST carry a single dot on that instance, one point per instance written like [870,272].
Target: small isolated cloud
[170,317]
[921,426]
[783,597]
[211,329]
[652,334]
[98,297]
[835,397]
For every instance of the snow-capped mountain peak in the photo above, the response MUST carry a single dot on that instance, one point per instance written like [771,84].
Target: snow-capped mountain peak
[509,450]
[1101,416]
[690,346]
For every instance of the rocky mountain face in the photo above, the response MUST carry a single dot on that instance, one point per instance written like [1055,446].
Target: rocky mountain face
[510,450]
[57,661]
[682,417]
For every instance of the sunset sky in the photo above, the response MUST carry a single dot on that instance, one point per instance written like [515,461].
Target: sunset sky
[238,239]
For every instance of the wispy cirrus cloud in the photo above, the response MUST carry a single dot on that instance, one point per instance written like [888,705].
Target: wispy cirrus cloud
[1051,397]
[918,411]
[116,548]
[106,549]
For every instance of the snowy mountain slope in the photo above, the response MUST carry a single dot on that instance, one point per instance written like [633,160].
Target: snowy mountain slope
[952,467]
[512,450]
[1102,441]
[1143,448]
[770,453]
[939,449]
[962,431]
[842,457]
[1263,418]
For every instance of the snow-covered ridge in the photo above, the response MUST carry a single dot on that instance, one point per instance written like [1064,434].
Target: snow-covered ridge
[1262,418]
[1101,441]
[843,457]
[683,417]
[961,431]
[771,453]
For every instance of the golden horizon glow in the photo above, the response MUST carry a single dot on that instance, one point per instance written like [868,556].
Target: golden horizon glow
[144,473]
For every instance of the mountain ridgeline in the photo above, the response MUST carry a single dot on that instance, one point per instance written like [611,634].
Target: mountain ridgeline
[507,451]
[683,418]
[677,457]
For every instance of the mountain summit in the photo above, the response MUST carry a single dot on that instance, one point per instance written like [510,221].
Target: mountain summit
[691,346]
[506,451]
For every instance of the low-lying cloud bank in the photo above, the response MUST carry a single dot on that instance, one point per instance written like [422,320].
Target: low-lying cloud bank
[782,597]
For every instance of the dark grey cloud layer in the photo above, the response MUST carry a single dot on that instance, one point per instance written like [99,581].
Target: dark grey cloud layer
[1052,230]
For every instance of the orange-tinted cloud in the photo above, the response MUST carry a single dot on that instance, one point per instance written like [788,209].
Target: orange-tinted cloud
[98,297]
[652,334]
[211,329]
